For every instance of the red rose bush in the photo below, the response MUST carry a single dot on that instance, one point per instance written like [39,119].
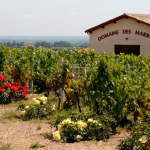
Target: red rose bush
[9,92]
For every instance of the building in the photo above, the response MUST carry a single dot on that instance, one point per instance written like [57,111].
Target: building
[31,46]
[84,49]
[128,33]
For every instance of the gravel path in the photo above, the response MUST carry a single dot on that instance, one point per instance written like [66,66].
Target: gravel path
[21,134]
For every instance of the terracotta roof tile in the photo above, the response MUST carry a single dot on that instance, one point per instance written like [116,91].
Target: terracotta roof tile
[86,49]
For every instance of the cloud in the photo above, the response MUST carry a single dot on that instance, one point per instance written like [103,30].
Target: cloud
[28,16]
[73,13]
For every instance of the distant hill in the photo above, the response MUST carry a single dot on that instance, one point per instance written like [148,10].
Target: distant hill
[33,39]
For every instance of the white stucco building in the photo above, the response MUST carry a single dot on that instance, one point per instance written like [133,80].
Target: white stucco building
[128,33]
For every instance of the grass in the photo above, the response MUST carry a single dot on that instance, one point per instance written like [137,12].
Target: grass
[4,146]
[39,127]
[36,145]
[48,135]
[9,114]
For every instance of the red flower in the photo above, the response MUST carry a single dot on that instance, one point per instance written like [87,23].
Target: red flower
[26,98]
[21,101]
[24,93]
[7,84]
[26,86]
[10,95]
[2,78]
[21,87]
[2,90]
[14,88]
[16,84]
[3,86]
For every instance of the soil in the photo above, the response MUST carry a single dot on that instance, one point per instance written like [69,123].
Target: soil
[19,135]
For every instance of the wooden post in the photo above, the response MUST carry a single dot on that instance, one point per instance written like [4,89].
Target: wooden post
[61,94]
[31,81]
[10,61]
[61,91]
[84,100]
[128,67]
[77,72]
[77,76]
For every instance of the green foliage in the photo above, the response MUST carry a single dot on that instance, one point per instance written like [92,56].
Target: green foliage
[115,89]
[140,134]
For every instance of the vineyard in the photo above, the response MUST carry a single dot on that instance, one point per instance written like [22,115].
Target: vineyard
[102,92]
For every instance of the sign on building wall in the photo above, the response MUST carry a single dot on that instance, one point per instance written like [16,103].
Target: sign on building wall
[124,31]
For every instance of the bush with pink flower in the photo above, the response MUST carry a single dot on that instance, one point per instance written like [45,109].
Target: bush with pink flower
[11,92]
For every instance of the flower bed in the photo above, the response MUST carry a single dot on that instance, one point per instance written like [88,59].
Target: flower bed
[75,131]
[11,92]
[39,108]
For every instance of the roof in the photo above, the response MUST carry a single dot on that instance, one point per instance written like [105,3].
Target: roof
[86,49]
[144,18]
[31,45]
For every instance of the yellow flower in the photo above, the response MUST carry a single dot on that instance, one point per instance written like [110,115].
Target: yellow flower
[36,102]
[143,139]
[81,125]
[59,127]
[27,107]
[84,125]
[56,136]
[43,99]
[44,108]
[53,107]
[23,112]
[94,121]
[90,120]
[78,137]
[67,121]
[34,99]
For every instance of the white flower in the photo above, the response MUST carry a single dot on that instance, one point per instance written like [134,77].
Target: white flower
[143,139]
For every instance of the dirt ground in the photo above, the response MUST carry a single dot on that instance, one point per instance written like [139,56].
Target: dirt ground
[19,135]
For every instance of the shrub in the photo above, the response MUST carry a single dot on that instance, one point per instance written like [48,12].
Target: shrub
[11,92]
[39,108]
[75,131]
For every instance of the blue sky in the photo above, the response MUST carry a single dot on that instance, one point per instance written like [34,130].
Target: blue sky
[62,17]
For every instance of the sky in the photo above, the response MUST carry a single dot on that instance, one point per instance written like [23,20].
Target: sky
[62,17]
